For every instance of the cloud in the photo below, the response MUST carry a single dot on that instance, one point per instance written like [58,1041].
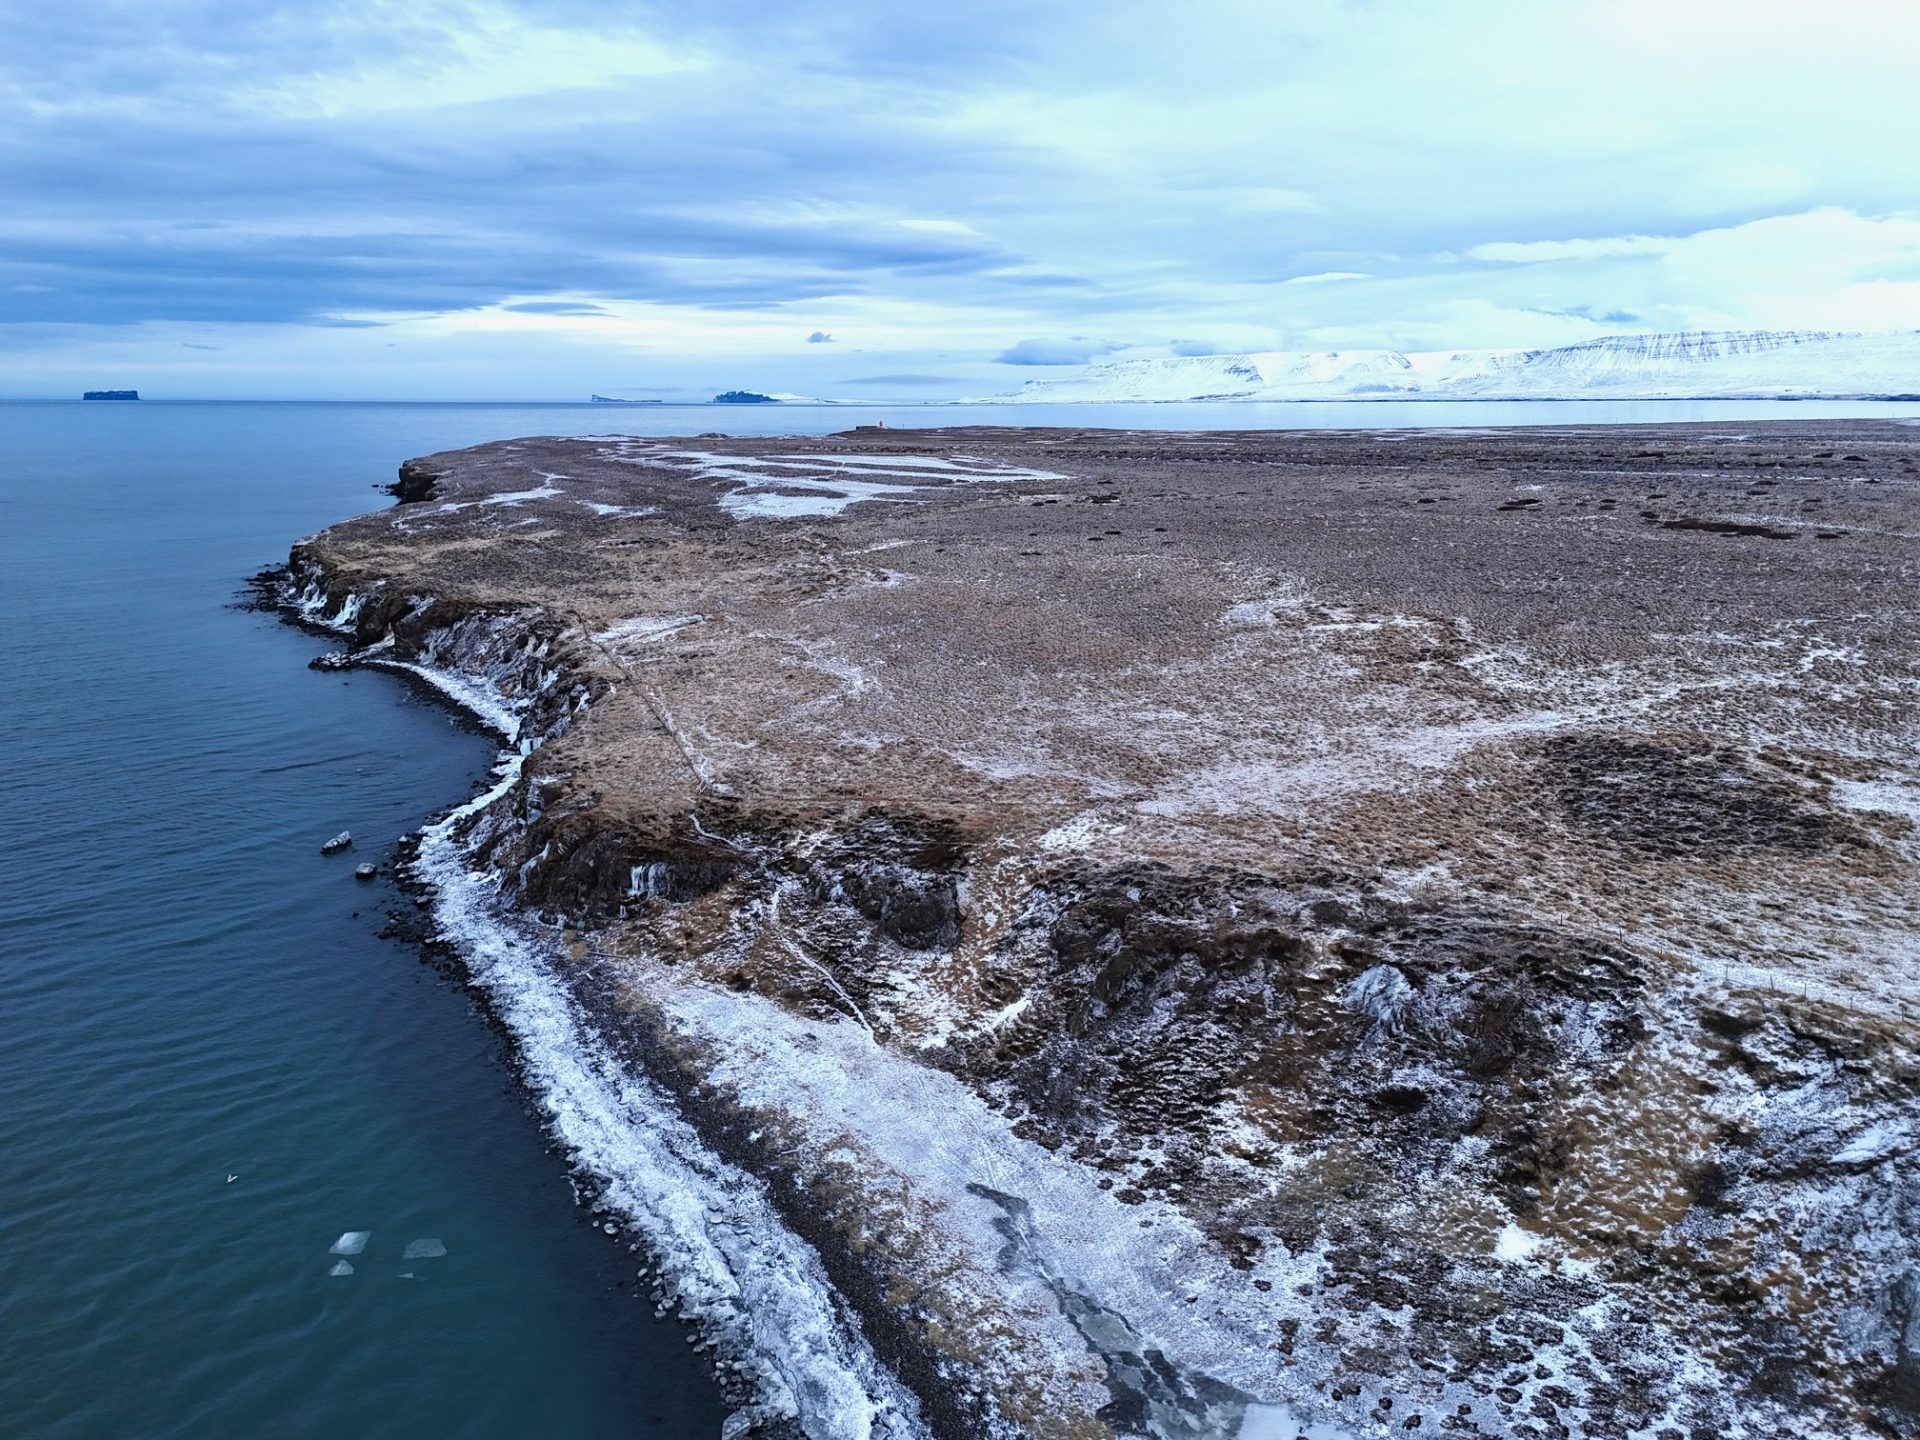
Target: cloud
[648,183]
[1538,252]
[554,307]
[908,380]
[1054,352]
[819,337]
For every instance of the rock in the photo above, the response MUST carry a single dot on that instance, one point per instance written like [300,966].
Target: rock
[335,660]
[417,482]
[337,843]
[365,870]
[918,910]
[1902,1313]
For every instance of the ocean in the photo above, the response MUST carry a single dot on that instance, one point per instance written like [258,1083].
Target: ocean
[212,1064]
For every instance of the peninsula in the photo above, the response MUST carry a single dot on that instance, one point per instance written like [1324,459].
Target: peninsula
[1075,933]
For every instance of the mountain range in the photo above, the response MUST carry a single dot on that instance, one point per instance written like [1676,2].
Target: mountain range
[1725,364]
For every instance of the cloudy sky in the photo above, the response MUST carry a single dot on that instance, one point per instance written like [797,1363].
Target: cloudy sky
[490,199]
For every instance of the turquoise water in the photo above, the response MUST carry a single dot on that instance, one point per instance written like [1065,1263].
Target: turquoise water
[189,991]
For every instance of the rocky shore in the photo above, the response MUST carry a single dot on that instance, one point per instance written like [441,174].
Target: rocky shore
[1075,933]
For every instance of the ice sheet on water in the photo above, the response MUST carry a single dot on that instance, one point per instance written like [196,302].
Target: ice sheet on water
[423,1250]
[340,1267]
[351,1243]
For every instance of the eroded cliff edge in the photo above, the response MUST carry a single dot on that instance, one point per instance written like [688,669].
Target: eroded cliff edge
[1404,932]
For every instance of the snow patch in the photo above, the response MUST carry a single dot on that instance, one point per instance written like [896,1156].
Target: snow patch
[1877,1142]
[1079,833]
[480,699]
[786,487]
[1514,1244]
[641,629]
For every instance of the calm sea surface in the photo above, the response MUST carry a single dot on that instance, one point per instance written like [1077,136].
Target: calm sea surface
[190,992]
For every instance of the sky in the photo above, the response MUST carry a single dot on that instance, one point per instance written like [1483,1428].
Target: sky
[482,199]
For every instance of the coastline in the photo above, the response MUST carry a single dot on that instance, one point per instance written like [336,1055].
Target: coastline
[589,1044]
[788,1355]
[802,1332]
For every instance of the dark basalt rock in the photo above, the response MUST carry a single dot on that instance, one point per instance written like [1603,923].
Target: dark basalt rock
[902,872]
[1729,527]
[1161,996]
[1902,1313]
[578,867]
[911,907]
[416,483]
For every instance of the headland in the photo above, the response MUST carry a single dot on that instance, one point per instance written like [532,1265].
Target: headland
[1079,933]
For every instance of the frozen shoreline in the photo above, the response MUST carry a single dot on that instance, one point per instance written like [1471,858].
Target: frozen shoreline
[785,1343]
[783,1346]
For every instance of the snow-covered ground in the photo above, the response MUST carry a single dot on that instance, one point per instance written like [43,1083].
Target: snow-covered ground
[1731,364]
[785,487]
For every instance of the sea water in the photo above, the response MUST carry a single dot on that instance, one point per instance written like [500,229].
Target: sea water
[261,1171]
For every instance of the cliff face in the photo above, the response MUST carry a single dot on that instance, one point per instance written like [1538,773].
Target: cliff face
[1202,934]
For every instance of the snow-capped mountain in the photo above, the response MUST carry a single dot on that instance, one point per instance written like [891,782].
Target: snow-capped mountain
[1726,364]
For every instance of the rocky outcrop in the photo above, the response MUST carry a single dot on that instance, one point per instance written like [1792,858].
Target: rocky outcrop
[417,483]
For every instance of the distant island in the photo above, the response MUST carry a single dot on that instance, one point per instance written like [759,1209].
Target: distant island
[743,397]
[111,395]
[616,400]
